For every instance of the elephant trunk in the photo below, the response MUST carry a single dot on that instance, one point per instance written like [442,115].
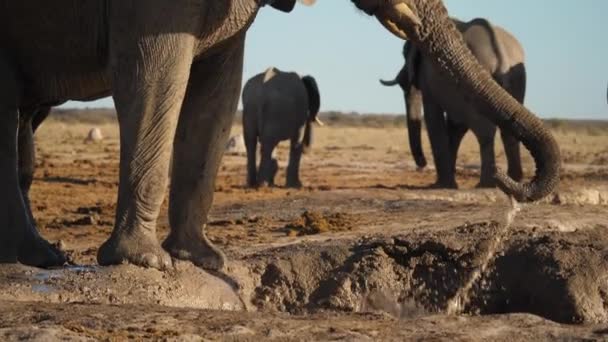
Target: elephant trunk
[413,110]
[439,39]
[307,140]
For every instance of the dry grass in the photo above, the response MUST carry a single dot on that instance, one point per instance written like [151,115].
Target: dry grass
[581,141]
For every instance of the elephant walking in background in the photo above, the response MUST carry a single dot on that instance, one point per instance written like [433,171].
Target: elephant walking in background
[503,57]
[278,106]
[427,25]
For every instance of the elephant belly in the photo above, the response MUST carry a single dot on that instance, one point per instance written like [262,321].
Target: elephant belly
[59,47]
[52,88]
[459,107]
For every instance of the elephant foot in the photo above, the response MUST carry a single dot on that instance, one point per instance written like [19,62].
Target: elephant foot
[516,175]
[200,251]
[294,184]
[138,249]
[444,185]
[263,185]
[36,251]
[484,184]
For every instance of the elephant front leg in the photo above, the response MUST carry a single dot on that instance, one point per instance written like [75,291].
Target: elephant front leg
[488,161]
[148,94]
[268,165]
[203,130]
[293,168]
[251,144]
[438,136]
[19,240]
[512,152]
[455,134]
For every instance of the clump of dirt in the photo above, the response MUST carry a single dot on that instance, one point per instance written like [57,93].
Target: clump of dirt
[555,275]
[312,223]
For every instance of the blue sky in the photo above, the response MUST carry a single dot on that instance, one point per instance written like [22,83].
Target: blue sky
[566,45]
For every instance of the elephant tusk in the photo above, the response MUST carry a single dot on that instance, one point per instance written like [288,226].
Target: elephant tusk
[392,27]
[319,122]
[400,15]
[389,83]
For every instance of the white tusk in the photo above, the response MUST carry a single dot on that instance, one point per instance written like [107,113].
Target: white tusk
[397,17]
[319,122]
[407,14]
[392,27]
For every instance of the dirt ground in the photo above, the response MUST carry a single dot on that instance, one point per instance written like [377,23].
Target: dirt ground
[364,251]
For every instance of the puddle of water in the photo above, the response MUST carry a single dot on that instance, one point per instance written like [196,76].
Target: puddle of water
[457,304]
[41,288]
[54,273]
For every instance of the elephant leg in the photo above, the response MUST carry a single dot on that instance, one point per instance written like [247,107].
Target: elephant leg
[512,152]
[488,162]
[293,168]
[35,250]
[202,132]
[517,89]
[148,89]
[251,144]
[19,240]
[268,165]
[438,136]
[455,134]
[27,160]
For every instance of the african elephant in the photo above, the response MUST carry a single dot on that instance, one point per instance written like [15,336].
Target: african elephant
[174,71]
[503,57]
[427,25]
[278,106]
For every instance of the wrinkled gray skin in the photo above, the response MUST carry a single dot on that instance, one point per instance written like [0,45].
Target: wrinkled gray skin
[427,25]
[278,106]
[503,57]
[174,70]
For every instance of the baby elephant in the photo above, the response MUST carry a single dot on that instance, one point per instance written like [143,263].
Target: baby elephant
[278,106]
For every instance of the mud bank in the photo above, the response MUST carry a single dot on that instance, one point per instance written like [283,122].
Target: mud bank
[560,276]
[184,286]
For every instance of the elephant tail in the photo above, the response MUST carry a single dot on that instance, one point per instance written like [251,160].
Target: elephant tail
[307,140]
[314,104]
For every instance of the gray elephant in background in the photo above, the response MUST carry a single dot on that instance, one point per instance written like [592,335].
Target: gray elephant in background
[503,57]
[278,106]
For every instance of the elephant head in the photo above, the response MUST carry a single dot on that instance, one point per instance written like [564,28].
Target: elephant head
[427,25]
[407,79]
[314,103]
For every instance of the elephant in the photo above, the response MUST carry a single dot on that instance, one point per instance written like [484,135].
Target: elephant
[174,72]
[277,106]
[503,57]
[427,25]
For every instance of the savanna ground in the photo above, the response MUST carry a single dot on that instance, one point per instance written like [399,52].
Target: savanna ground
[364,251]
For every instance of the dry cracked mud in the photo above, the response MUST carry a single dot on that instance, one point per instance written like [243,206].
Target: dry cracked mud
[365,251]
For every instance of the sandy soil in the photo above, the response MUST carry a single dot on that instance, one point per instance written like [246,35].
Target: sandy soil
[365,251]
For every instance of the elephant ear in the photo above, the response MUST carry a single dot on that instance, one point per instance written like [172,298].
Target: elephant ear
[283,5]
